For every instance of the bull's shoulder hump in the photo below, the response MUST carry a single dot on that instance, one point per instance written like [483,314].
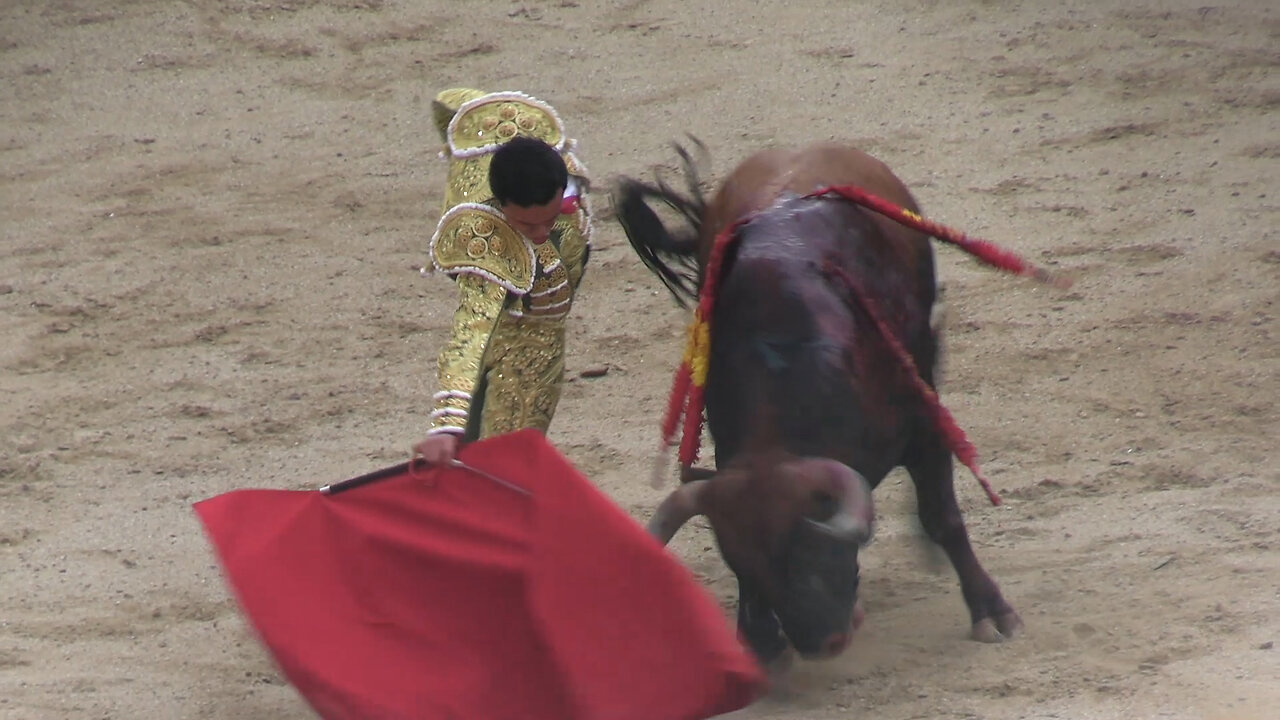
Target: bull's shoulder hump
[837,164]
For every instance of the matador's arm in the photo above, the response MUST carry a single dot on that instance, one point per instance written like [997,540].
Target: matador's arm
[488,260]
[461,360]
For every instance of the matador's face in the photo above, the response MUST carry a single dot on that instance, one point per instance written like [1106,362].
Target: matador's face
[534,221]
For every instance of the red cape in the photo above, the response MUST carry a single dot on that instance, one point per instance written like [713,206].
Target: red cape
[446,595]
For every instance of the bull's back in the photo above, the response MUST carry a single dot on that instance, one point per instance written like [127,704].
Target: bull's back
[902,283]
[764,177]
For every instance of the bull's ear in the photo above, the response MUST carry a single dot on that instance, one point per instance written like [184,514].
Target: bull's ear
[835,499]
[821,505]
[813,493]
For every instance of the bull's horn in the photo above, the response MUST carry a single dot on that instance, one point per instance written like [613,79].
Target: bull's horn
[854,516]
[683,503]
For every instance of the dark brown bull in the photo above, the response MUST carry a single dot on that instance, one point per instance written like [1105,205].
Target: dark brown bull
[807,406]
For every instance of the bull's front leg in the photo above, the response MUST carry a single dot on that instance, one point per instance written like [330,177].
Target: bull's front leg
[929,463]
[759,629]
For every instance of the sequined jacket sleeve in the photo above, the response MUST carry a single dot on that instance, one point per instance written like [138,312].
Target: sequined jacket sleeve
[462,359]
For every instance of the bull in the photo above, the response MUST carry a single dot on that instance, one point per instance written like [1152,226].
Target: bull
[807,406]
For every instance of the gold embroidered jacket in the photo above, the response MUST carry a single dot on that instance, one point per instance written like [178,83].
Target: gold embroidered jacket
[502,367]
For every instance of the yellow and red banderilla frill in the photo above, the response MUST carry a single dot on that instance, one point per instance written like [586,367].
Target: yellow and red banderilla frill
[687,391]
[691,377]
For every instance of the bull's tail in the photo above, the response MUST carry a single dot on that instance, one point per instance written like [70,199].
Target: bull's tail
[671,254]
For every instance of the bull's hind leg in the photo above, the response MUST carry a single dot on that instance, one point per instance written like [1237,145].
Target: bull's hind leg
[929,464]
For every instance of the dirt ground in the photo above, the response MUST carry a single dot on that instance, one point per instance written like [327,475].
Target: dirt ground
[212,214]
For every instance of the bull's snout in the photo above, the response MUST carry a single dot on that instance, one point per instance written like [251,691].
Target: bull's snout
[830,647]
[835,644]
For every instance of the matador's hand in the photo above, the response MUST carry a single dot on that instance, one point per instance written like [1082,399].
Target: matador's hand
[438,448]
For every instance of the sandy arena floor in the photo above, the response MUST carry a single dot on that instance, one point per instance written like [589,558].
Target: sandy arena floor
[211,215]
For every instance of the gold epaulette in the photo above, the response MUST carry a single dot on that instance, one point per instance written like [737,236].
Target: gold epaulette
[483,123]
[446,104]
[476,239]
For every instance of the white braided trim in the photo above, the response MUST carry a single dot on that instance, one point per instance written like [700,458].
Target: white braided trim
[535,315]
[544,293]
[570,146]
[584,213]
[455,394]
[586,229]
[481,273]
[551,306]
[584,194]
[458,209]
[497,97]
[446,429]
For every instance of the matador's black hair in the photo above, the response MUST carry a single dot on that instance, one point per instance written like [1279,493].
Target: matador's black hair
[526,171]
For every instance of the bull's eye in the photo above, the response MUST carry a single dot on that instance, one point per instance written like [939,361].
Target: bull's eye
[826,506]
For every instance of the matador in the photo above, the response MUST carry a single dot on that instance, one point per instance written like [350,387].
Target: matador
[502,367]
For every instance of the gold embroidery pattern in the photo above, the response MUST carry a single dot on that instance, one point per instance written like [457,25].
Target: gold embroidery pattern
[524,385]
[546,252]
[573,245]
[460,363]
[553,280]
[501,119]
[551,293]
[472,239]
[468,181]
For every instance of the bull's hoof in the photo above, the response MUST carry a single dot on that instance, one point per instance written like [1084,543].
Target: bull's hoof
[997,629]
